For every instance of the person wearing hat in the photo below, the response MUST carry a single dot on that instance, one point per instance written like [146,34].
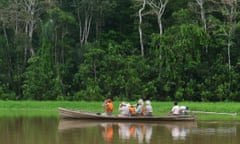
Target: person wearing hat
[132,110]
[108,106]
[140,107]
[123,109]
[148,108]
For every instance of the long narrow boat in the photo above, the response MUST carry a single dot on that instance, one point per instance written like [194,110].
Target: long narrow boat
[75,114]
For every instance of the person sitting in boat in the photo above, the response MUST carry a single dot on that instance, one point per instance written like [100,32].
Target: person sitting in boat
[108,106]
[124,109]
[140,107]
[148,108]
[175,109]
[183,110]
[132,110]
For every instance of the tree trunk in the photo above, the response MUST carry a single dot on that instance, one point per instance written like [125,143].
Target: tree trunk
[140,27]
[230,11]
[203,17]
[84,29]
[158,7]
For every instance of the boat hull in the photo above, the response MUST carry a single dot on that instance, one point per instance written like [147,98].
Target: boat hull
[75,114]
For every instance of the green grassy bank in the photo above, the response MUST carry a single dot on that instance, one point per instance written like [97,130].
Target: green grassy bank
[49,108]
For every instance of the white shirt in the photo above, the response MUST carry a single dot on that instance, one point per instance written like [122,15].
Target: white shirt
[149,109]
[124,111]
[139,109]
[175,109]
[183,110]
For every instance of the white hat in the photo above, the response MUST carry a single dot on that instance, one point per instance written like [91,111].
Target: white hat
[140,101]
[148,102]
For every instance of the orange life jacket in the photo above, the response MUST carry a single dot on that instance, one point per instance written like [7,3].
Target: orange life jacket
[109,107]
[132,110]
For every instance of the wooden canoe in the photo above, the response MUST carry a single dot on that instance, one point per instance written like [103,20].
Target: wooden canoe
[75,114]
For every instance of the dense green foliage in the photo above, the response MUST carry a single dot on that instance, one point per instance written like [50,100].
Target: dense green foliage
[90,50]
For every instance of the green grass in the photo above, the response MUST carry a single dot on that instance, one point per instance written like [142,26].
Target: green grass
[49,108]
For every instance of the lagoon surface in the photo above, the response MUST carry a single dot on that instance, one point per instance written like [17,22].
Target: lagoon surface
[51,130]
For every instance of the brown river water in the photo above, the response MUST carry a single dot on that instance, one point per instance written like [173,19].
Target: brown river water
[51,130]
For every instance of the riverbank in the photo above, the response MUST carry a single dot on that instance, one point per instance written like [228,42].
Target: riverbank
[49,108]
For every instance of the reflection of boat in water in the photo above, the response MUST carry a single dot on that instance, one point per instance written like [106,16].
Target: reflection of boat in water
[180,131]
[65,124]
[213,128]
[75,114]
[214,131]
[107,132]
[124,130]
[139,131]
[205,129]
